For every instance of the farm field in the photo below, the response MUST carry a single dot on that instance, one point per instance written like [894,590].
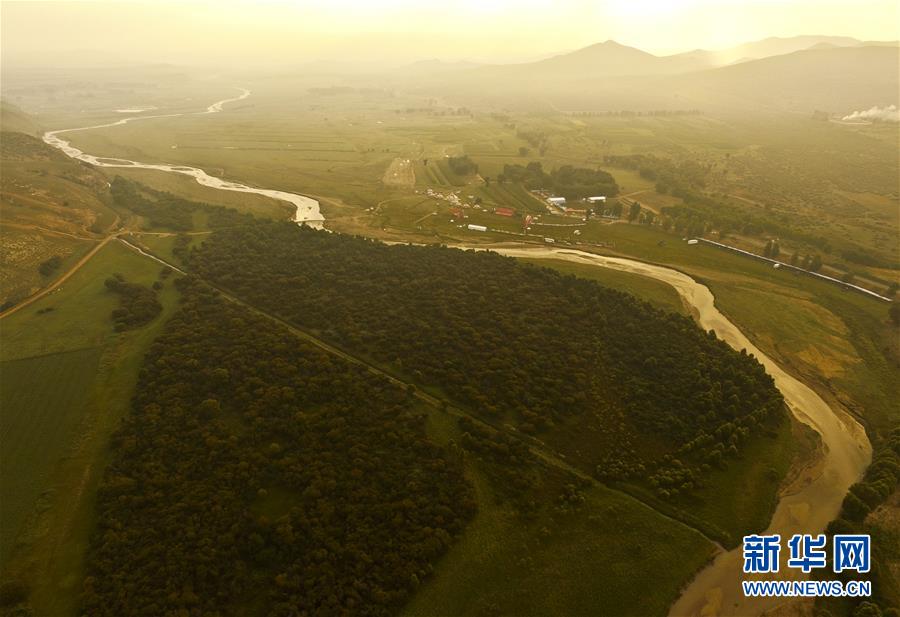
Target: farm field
[42,398]
[79,376]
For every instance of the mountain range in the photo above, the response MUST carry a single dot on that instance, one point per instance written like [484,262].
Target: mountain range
[802,73]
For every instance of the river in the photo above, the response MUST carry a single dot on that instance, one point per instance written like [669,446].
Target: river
[306,209]
[808,508]
[716,590]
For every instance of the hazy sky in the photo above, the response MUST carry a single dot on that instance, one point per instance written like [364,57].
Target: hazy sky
[298,30]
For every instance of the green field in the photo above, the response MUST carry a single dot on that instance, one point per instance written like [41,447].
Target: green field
[42,400]
[563,560]
[68,363]
[655,292]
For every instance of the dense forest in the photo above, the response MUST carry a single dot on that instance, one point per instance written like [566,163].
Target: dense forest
[568,181]
[258,475]
[168,211]
[629,391]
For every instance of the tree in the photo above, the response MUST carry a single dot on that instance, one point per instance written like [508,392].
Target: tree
[894,313]
[816,263]
[50,266]
[523,151]
[892,289]
[634,211]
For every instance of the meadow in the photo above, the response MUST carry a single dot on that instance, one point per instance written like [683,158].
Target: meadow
[564,560]
[68,379]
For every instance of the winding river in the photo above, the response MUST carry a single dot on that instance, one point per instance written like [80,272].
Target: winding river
[306,208]
[716,590]
[806,508]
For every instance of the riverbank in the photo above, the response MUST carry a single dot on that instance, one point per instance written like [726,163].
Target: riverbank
[306,209]
[808,509]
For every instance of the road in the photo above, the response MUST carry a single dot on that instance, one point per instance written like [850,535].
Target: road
[58,282]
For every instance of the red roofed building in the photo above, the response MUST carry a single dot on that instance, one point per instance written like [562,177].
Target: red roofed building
[504,211]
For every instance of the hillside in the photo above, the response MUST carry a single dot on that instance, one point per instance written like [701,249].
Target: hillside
[611,77]
[830,78]
[14,119]
[52,210]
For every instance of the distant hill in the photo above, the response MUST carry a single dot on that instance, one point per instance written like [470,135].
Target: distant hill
[612,59]
[778,46]
[608,76]
[607,59]
[827,77]
[14,119]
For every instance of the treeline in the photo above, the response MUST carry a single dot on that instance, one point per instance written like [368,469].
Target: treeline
[537,139]
[257,474]
[879,483]
[627,113]
[670,175]
[462,165]
[167,211]
[567,181]
[507,461]
[138,305]
[514,344]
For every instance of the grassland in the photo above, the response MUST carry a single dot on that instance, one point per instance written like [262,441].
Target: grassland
[50,206]
[69,350]
[659,294]
[23,250]
[564,561]
[43,399]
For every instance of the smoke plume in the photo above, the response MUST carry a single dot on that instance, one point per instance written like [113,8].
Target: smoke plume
[887,114]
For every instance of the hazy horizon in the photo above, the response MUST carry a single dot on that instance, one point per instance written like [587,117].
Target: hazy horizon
[281,33]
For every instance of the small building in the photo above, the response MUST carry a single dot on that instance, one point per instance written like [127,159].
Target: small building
[504,211]
[457,212]
[693,241]
[549,240]
[599,199]
[556,201]
[471,227]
